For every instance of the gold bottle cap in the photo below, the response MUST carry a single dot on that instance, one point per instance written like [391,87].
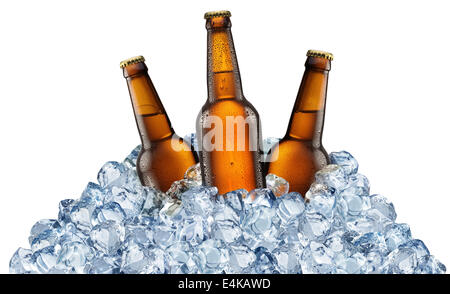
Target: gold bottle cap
[132,60]
[318,53]
[218,13]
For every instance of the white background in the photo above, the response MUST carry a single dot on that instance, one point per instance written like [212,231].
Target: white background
[65,108]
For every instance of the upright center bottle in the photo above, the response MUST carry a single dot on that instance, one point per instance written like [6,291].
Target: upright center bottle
[164,156]
[228,126]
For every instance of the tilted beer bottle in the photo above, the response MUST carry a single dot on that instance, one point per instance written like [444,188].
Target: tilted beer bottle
[228,126]
[164,157]
[300,153]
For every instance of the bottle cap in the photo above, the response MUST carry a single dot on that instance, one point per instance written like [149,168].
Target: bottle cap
[218,13]
[318,53]
[132,60]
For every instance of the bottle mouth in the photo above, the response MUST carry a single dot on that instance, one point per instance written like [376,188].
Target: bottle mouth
[134,69]
[218,23]
[320,64]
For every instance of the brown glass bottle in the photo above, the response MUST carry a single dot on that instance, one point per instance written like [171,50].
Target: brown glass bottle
[228,126]
[164,156]
[300,153]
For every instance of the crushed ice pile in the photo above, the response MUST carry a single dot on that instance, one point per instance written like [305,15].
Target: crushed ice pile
[118,226]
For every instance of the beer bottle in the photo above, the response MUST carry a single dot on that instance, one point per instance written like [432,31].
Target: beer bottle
[300,153]
[228,126]
[164,156]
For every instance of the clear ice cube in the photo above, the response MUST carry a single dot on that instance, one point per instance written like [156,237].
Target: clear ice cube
[110,171]
[278,185]
[22,262]
[345,160]
[107,237]
[290,207]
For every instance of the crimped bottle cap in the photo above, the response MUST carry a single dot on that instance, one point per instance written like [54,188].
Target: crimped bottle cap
[318,53]
[132,60]
[218,13]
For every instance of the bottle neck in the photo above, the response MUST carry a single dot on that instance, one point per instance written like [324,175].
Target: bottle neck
[307,117]
[224,80]
[151,118]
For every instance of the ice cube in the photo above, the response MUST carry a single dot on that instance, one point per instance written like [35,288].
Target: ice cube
[74,256]
[258,220]
[132,202]
[199,200]
[45,259]
[227,231]
[94,193]
[179,259]
[130,160]
[333,176]
[109,172]
[262,197]
[317,259]
[134,259]
[157,262]
[396,234]
[428,264]
[382,209]
[241,259]
[81,214]
[103,265]
[138,234]
[321,199]
[354,264]
[179,187]
[193,230]
[107,237]
[224,212]
[172,212]
[371,242]
[286,260]
[334,242]
[235,200]
[269,144]
[358,184]
[290,207]
[41,226]
[194,173]
[345,160]
[44,239]
[164,236]
[265,262]
[278,185]
[418,246]
[211,257]
[109,212]
[65,206]
[314,225]
[363,225]
[153,201]
[401,261]
[22,262]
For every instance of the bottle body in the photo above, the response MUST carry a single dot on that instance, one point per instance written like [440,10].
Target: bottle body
[300,153]
[164,156]
[232,161]
[228,126]
[159,166]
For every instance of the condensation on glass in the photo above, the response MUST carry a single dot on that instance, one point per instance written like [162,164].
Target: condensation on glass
[164,156]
